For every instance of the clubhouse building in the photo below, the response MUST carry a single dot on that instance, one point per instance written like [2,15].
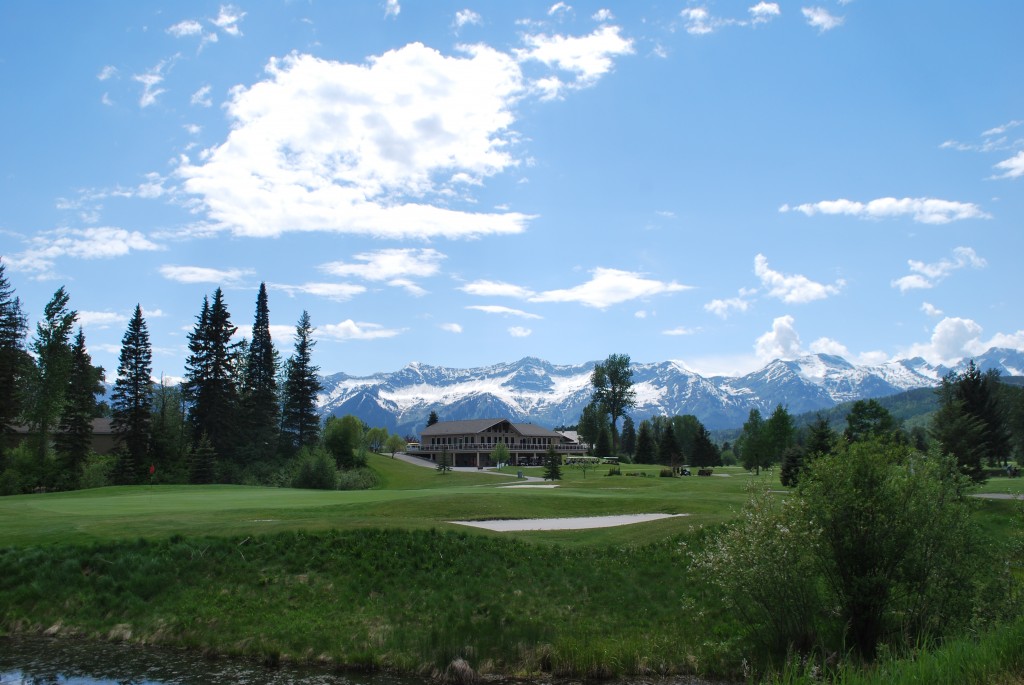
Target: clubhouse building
[469,443]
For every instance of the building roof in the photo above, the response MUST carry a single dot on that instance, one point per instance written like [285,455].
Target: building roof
[471,426]
[99,427]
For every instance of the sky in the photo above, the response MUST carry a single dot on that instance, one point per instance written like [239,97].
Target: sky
[461,184]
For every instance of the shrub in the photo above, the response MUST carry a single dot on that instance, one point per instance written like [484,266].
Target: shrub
[97,471]
[316,470]
[667,473]
[357,479]
[615,471]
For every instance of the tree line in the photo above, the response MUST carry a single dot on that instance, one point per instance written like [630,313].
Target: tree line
[241,415]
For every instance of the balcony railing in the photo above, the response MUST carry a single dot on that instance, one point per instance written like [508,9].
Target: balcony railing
[486,447]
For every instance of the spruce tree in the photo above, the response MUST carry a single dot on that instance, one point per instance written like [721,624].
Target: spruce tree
[74,439]
[202,462]
[628,436]
[14,360]
[132,400]
[300,422]
[552,465]
[259,388]
[210,377]
[646,447]
[603,448]
[668,448]
[432,419]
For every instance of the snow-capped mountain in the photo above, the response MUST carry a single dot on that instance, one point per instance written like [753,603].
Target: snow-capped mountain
[533,390]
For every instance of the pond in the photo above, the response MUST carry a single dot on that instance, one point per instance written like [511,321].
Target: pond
[46,661]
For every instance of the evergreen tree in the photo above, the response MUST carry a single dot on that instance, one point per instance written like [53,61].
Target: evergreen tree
[753,445]
[668,448]
[210,377]
[959,431]
[646,447]
[821,439]
[868,420]
[52,371]
[552,465]
[14,360]
[603,448]
[132,400]
[74,439]
[613,389]
[978,395]
[169,451]
[300,422]
[705,452]
[432,419]
[444,462]
[792,466]
[202,462]
[260,394]
[628,436]
[686,429]
[780,432]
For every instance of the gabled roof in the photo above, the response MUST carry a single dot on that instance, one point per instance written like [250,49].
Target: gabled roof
[471,426]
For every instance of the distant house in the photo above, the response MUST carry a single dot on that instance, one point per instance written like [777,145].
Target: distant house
[103,439]
[469,443]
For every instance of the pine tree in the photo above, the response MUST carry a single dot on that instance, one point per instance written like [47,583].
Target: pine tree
[210,381]
[646,447]
[260,395]
[202,462]
[432,419]
[628,436]
[14,360]
[132,400]
[74,439]
[603,448]
[300,422]
[668,447]
[552,465]
[52,370]
[705,452]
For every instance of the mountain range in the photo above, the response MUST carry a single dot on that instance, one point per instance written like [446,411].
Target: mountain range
[536,391]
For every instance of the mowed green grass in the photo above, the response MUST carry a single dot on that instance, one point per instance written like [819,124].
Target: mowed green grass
[410,497]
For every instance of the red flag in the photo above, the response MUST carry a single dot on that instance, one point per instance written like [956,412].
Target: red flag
[152,469]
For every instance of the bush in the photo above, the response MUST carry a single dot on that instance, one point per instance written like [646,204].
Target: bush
[97,471]
[667,473]
[615,471]
[316,470]
[357,479]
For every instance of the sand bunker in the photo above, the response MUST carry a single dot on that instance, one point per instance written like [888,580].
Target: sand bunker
[527,485]
[578,523]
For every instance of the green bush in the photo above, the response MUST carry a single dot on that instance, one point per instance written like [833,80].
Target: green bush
[666,473]
[357,479]
[316,470]
[615,471]
[97,471]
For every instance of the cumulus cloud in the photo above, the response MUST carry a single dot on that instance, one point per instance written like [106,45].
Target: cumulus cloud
[930,309]
[464,17]
[1012,167]
[722,308]
[89,319]
[559,8]
[505,311]
[608,287]
[356,330]
[339,292]
[764,12]
[603,15]
[680,330]
[202,274]
[924,210]
[450,327]
[189,27]
[487,288]
[392,8]
[519,331]
[781,342]
[699,21]
[390,264]
[107,72]
[228,19]
[103,242]
[588,58]
[793,289]
[363,148]
[151,81]
[821,19]
[955,338]
[924,275]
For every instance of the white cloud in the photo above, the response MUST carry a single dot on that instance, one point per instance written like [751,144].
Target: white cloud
[764,12]
[781,342]
[922,209]
[955,338]
[930,309]
[201,274]
[362,148]
[1002,128]
[795,288]
[519,331]
[496,289]
[339,292]
[680,330]
[1012,167]
[87,243]
[928,275]
[603,15]
[450,327]
[587,57]
[101,319]
[228,19]
[464,17]
[699,21]
[392,8]
[386,265]
[723,307]
[410,287]
[608,287]
[151,81]
[559,8]
[202,97]
[357,330]
[507,311]
[107,72]
[189,27]
[821,19]
[278,332]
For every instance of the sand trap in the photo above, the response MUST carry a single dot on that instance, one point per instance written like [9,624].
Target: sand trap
[527,485]
[578,523]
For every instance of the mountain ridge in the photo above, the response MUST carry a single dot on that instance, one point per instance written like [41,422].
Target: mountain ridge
[535,390]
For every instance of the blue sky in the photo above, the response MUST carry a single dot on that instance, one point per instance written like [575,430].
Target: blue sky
[459,184]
